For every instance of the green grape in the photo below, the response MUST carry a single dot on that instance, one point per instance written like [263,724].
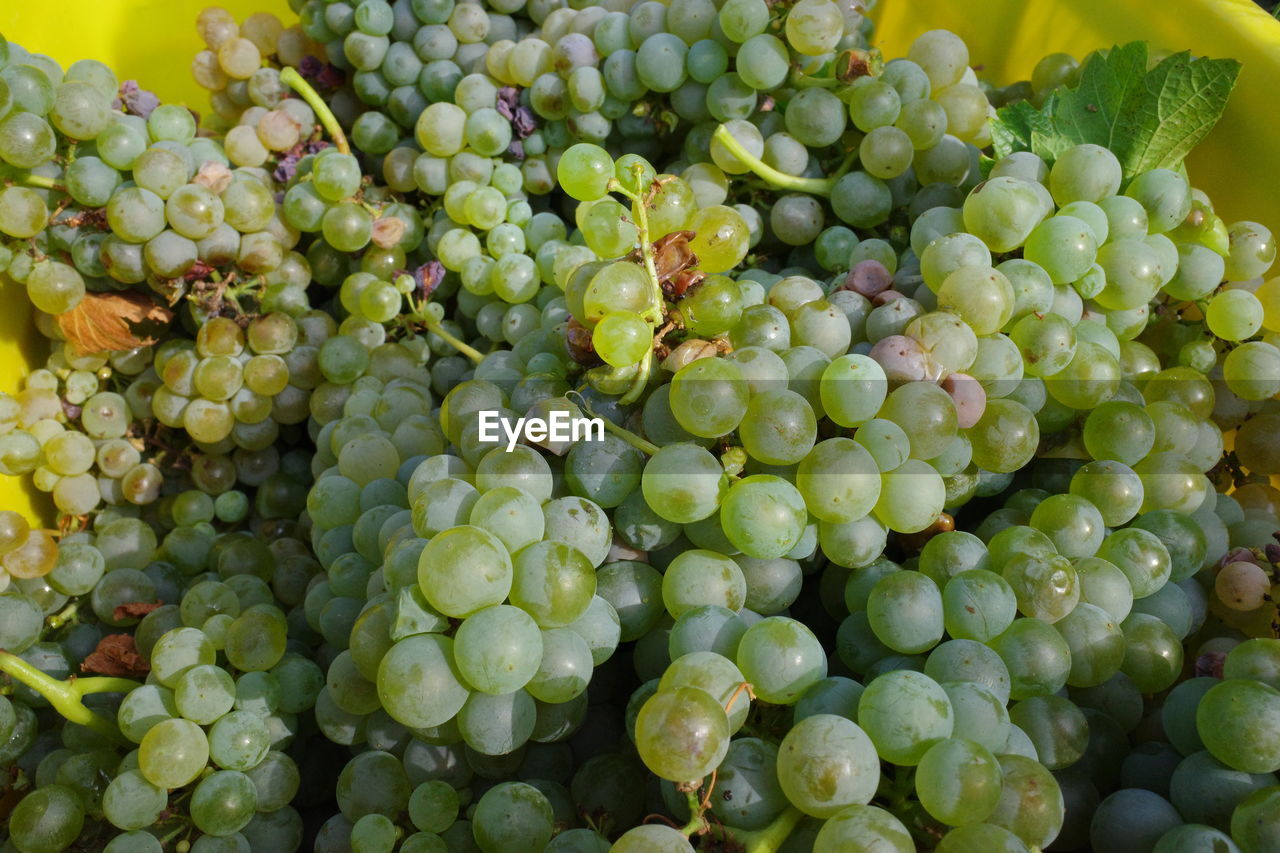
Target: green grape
[835,751]
[1037,657]
[781,658]
[1085,173]
[682,734]
[1254,821]
[584,171]
[905,713]
[978,605]
[1131,817]
[958,782]
[863,827]
[1112,487]
[204,693]
[980,838]
[552,582]
[473,552]
[652,838]
[1232,315]
[1165,195]
[1096,644]
[131,802]
[721,238]
[48,819]
[709,397]
[981,296]
[764,516]
[905,612]
[1153,652]
[1031,804]
[419,682]
[622,338]
[239,741]
[1239,722]
[1055,726]
[911,497]
[778,428]
[223,803]
[699,577]
[839,480]
[1003,212]
[172,753]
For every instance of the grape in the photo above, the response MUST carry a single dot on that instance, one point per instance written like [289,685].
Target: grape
[958,782]
[682,734]
[49,818]
[1131,816]
[1220,720]
[863,827]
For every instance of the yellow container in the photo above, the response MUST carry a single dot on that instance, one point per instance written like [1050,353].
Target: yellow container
[153,42]
[1235,165]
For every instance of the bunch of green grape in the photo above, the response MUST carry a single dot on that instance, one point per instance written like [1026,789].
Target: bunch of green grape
[904,530]
[231,66]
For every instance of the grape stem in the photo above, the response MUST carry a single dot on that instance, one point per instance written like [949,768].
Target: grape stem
[767,840]
[646,447]
[781,180]
[697,822]
[41,182]
[653,314]
[66,696]
[641,380]
[434,327]
[67,614]
[291,78]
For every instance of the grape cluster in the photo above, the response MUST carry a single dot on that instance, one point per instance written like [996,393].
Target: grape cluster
[908,523]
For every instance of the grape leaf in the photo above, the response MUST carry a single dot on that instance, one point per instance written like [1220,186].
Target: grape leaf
[106,322]
[116,655]
[1148,118]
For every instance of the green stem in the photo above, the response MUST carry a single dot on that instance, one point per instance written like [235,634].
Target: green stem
[641,381]
[41,182]
[697,823]
[291,78]
[65,696]
[781,180]
[67,614]
[767,840]
[804,81]
[438,330]
[644,446]
[641,214]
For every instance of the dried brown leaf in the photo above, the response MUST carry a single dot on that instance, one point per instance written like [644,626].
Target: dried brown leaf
[116,655]
[135,610]
[104,322]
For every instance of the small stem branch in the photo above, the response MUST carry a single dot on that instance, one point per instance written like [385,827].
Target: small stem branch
[781,180]
[65,696]
[291,78]
[697,823]
[772,837]
[434,327]
[41,182]
[644,446]
[641,380]
[67,614]
[641,214]
[102,684]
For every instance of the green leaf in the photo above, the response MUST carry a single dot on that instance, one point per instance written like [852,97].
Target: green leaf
[1148,119]
[1180,101]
